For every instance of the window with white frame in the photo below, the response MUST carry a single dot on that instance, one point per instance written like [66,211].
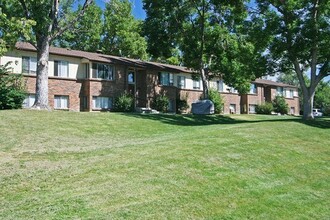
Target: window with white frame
[220,85]
[100,102]
[279,91]
[103,71]
[165,79]
[61,68]
[61,102]
[131,77]
[292,110]
[291,92]
[232,90]
[253,88]
[232,108]
[252,109]
[181,82]
[196,84]
[29,101]
[29,65]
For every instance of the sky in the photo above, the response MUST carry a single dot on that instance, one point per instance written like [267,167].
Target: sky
[138,12]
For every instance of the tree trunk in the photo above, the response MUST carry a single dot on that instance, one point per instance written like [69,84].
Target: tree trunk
[205,84]
[41,101]
[308,105]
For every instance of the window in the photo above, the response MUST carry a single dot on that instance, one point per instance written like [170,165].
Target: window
[291,93]
[61,102]
[292,110]
[196,84]
[102,102]
[181,82]
[252,109]
[232,90]
[29,101]
[165,79]
[279,91]
[220,85]
[131,78]
[232,108]
[253,89]
[103,71]
[61,68]
[29,65]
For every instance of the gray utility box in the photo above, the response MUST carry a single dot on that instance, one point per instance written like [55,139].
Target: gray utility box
[202,107]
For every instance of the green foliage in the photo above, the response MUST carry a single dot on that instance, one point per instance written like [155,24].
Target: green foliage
[161,103]
[12,90]
[124,103]
[322,95]
[293,34]
[217,100]
[280,105]
[122,32]
[12,27]
[86,34]
[265,108]
[182,104]
[209,36]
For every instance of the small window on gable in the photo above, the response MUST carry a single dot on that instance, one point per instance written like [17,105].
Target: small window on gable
[29,65]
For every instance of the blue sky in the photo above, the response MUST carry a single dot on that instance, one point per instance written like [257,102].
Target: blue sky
[138,12]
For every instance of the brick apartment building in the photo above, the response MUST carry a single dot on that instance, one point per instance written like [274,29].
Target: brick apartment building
[84,81]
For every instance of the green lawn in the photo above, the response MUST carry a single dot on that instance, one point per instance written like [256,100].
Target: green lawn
[66,165]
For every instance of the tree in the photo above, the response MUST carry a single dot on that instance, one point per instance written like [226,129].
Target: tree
[86,33]
[295,35]
[11,28]
[322,95]
[51,20]
[208,34]
[12,89]
[122,32]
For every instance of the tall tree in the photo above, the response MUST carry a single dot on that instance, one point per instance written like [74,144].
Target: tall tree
[51,20]
[208,33]
[12,27]
[122,32]
[295,34]
[86,34]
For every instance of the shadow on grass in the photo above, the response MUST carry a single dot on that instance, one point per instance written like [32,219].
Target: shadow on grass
[203,120]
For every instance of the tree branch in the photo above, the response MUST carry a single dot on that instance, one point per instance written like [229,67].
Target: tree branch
[26,11]
[70,24]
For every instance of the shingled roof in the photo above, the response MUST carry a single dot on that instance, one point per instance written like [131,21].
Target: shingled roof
[272,83]
[104,58]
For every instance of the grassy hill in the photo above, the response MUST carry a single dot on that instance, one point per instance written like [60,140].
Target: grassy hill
[66,165]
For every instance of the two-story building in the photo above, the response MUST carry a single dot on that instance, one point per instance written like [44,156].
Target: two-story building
[84,81]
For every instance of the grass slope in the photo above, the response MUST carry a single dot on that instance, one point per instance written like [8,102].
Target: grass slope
[65,165]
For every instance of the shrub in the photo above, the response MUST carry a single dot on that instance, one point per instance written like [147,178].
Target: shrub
[280,105]
[265,108]
[217,100]
[326,111]
[182,104]
[124,103]
[12,89]
[161,103]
